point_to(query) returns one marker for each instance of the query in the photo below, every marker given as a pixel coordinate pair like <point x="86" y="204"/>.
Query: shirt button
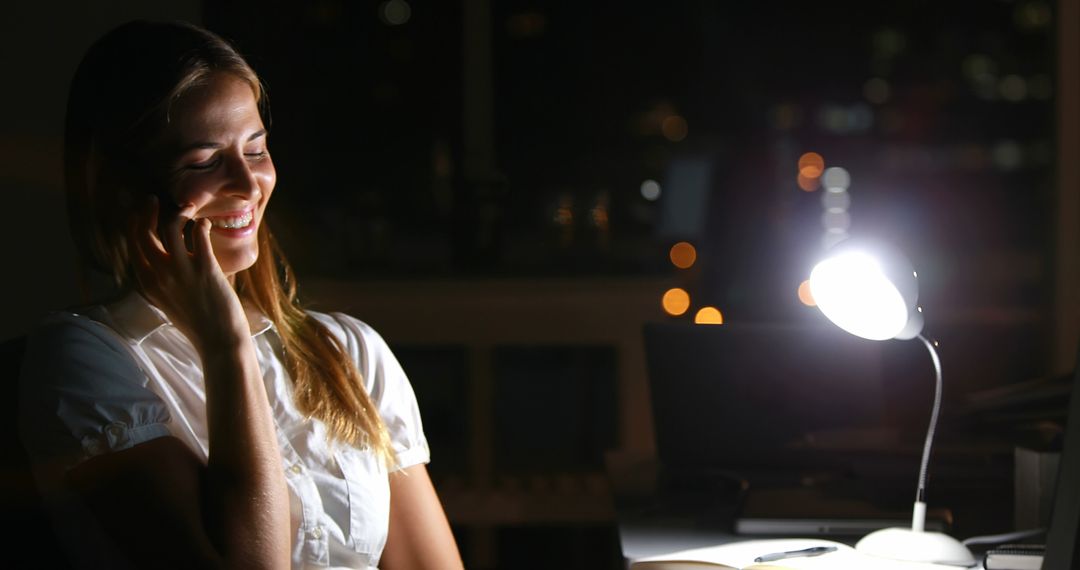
<point x="296" y="468"/>
<point x="316" y="532"/>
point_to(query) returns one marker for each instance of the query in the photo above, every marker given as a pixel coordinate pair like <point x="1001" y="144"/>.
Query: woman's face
<point x="218" y="160"/>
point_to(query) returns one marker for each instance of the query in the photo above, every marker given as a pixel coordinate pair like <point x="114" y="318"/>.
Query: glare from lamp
<point x="853" y="292"/>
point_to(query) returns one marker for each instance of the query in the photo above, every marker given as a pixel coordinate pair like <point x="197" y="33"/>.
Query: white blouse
<point x="122" y="374"/>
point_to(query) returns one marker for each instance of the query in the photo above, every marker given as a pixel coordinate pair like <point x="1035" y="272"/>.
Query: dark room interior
<point x="511" y="192"/>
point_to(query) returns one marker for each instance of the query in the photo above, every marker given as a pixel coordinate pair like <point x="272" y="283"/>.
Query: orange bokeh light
<point x="683" y="255"/>
<point x="804" y="294"/>
<point x="808" y="184"/>
<point x="811" y="162"/>
<point x="709" y="316"/>
<point x="676" y="301"/>
<point x="674" y="128"/>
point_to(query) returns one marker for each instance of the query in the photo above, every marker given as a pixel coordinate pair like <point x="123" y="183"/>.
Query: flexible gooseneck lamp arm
<point x="918" y="517"/>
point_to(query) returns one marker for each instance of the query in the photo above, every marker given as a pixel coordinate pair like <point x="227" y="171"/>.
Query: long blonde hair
<point x="118" y="104"/>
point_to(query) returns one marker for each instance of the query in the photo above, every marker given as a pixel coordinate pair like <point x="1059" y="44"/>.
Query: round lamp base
<point x="915" y="546"/>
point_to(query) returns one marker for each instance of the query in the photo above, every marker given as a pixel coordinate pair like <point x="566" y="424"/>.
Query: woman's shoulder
<point x="349" y="329"/>
<point x="69" y="345"/>
<point x="364" y="345"/>
<point x="75" y="329"/>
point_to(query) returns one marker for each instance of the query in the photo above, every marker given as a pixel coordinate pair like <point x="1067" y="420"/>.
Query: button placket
<point x="315" y="539"/>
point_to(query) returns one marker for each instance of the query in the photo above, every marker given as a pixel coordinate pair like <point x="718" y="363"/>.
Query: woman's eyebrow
<point x="216" y="145"/>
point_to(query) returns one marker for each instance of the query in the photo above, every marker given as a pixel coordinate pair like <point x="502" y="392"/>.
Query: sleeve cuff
<point x="118" y="436"/>
<point x="412" y="456"/>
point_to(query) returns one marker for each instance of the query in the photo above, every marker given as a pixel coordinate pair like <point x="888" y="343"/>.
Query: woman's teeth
<point x="233" y="223"/>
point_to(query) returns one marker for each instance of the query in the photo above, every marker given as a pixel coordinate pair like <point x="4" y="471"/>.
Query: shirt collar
<point x="137" y="318"/>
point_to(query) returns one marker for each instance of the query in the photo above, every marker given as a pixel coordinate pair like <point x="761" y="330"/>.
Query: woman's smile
<point x="222" y="165"/>
<point x="234" y="224"/>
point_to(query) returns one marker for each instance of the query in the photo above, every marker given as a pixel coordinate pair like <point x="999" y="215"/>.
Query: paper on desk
<point x="741" y="555"/>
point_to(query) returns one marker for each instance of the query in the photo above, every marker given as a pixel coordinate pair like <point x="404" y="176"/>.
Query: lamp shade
<point x="869" y="290"/>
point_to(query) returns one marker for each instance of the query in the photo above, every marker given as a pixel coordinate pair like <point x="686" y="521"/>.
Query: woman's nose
<point x="242" y="181"/>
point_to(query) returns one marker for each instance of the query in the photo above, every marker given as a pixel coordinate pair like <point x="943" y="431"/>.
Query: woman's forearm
<point x="246" y="500"/>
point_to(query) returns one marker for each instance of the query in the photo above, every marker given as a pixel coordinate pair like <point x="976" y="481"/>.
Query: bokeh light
<point x="888" y="43"/>
<point x="836" y="177"/>
<point x="674" y="128"/>
<point x="564" y="211"/>
<point x="1007" y="155"/>
<point x="877" y="91"/>
<point x="1013" y="88"/>
<point x="808" y="184"/>
<point x="526" y="25"/>
<point x="683" y="255"/>
<point x="676" y="301"/>
<point x="395" y="12"/>
<point x="1032" y="15"/>
<point x="978" y="66"/>
<point x="650" y="190"/>
<point x="811" y="165"/>
<point x="835" y="200"/>
<point x="786" y="116"/>
<point x="804" y="294"/>
<point x="709" y="316"/>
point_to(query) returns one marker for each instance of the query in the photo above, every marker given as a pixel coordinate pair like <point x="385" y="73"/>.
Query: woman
<point x="203" y="419"/>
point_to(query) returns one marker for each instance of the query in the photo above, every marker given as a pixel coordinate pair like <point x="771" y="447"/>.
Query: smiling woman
<point x="203" y="419"/>
<point x="223" y="168"/>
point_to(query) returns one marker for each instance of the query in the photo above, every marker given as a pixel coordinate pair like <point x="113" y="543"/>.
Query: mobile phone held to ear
<point x="167" y="210"/>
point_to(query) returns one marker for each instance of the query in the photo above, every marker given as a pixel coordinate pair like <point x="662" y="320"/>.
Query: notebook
<point x="777" y="554"/>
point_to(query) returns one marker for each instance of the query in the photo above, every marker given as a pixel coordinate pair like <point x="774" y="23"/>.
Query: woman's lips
<point x="236" y="224"/>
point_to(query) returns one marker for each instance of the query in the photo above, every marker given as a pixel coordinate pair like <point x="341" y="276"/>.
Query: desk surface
<point x="641" y="538"/>
<point x="648" y="528"/>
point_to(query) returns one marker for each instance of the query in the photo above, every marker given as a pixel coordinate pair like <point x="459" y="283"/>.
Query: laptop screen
<point x="744" y="398"/>
<point x="1061" y="538"/>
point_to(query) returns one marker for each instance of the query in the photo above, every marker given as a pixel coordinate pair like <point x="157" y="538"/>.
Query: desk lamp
<point x="870" y="291"/>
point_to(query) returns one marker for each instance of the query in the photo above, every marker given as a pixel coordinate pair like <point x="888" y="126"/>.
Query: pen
<point x="815" y="551"/>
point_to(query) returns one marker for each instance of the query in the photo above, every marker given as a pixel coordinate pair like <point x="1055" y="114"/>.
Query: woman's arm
<point x="165" y="509"/>
<point x="234" y="512"/>
<point x="419" y="536"/>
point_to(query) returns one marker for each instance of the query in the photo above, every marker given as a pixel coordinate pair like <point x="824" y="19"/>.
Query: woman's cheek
<point x="191" y="194"/>
<point x="267" y="176"/>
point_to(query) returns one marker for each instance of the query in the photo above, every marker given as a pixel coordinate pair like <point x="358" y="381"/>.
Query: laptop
<point x="790" y="411"/>
<point x="1064" y="531"/>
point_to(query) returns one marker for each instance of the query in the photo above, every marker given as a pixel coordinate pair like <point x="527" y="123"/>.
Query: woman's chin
<point x="233" y="262"/>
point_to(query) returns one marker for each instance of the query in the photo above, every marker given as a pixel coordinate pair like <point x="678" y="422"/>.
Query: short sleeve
<point x="387" y="385"/>
<point x="82" y="394"/>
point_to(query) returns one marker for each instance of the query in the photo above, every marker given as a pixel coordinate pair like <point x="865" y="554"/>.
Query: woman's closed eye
<point x="254" y="156"/>
<point x="205" y="165"/>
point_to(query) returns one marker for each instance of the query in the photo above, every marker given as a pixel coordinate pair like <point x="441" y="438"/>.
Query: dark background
<point x="489" y="146"/>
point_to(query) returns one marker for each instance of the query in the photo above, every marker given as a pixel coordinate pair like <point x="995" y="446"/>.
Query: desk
<point x="640" y="538"/>
<point x="647" y="528"/>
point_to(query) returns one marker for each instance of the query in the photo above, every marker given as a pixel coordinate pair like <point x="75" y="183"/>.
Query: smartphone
<point x="167" y="210"/>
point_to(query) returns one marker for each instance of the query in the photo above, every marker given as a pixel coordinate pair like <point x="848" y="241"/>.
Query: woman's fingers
<point x="202" y="249"/>
<point x="174" y="232"/>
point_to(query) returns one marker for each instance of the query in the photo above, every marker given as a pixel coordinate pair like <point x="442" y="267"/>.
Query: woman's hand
<point x="189" y="286"/>
<point x="241" y="498"/>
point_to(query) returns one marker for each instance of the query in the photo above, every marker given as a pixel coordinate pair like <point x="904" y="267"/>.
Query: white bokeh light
<point x="836" y="177"/>
<point x="650" y="190"/>
<point x="835" y="200"/>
